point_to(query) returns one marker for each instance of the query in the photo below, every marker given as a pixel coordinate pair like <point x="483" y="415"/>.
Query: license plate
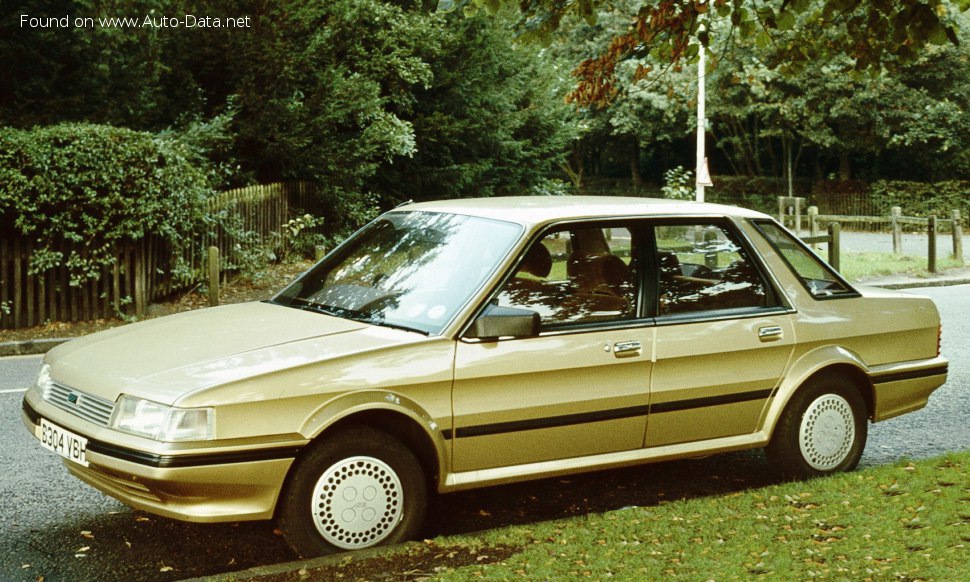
<point x="63" y="442"/>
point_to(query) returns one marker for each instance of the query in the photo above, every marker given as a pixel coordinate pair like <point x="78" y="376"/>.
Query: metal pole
<point x="701" y="73"/>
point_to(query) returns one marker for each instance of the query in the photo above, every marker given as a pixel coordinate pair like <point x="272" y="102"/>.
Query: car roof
<point x="532" y="210"/>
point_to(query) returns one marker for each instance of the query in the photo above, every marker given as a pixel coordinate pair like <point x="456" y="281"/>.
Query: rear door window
<point x="703" y="267"/>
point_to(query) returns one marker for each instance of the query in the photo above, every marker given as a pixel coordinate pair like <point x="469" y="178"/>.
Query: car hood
<point x="167" y="358"/>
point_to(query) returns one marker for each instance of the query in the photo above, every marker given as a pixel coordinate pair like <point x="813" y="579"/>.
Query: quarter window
<point x="820" y="280"/>
<point x="576" y="275"/>
<point x="703" y="267"/>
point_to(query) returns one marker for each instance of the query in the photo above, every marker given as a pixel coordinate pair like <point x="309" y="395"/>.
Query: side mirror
<point x="498" y="322"/>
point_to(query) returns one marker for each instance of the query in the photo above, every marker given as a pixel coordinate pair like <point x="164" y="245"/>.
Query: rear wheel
<point x="356" y="489"/>
<point x="822" y="430"/>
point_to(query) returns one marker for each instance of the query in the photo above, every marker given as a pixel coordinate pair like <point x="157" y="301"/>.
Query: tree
<point x="490" y="121"/>
<point x="838" y="112"/>
<point x="646" y="117"/>
<point x="869" y="33"/>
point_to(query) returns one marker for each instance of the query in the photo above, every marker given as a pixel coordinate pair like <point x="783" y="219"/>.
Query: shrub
<point x="97" y="187"/>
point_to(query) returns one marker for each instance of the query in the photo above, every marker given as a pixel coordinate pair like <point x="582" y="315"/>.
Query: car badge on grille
<point x="73" y="398"/>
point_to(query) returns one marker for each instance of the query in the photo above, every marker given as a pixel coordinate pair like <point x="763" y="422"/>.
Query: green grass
<point x="862" y="266"/>
<point x="909" y="521"/>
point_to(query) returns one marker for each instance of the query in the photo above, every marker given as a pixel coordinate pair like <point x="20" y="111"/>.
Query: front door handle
<point x="626" y="349"/>
<point x="770" y="333"/>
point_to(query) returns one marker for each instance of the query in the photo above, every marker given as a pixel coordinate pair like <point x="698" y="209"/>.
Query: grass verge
<point x="908" y="521"/>
<point x="860" y="266"/>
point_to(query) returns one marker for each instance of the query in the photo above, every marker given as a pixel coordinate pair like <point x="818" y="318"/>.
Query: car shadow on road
<point x="563" y="497"/>
<point x="131" y="545"/>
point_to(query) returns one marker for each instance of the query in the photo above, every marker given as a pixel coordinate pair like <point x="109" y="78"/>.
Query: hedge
<point x="96" y="186"/>
<point x="922" y="198"/>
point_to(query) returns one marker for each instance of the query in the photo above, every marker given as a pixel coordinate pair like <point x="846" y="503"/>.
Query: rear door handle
<point x="626" y="349"/>
<point x="770" y="333"/>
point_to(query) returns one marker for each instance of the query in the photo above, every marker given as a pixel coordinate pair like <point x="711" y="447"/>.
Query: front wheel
<point x="822" y="430"/>
<point x="356" y="489"/>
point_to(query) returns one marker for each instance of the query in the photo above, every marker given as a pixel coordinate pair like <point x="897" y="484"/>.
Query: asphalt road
<point x="52" y="525"/>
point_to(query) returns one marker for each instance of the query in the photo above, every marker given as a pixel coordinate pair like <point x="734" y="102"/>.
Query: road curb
<point x="303" y="569"/>
<point x="30" y="347"/>
<point x="920" y="283"/>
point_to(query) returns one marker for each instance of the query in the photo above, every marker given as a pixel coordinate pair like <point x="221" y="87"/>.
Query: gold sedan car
<point x="459" y="344"/>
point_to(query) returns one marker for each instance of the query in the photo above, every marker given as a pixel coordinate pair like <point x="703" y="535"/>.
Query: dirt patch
<point x="419" y="562"/>
<point x="251" y="287"/>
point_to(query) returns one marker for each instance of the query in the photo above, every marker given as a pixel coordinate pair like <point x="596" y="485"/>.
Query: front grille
<point x="86" y="406"/>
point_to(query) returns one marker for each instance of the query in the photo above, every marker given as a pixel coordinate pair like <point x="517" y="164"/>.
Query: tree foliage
<point x="870" y="33"/>
<point x="348" y="93"/>
<point x="491" y="122"/>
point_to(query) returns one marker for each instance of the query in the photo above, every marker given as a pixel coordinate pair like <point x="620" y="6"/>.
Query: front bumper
<point x="227" y="483"/>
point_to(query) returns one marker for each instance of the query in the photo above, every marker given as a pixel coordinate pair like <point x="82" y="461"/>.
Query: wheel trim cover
<point x="357" y="503"/>
<point x="827" y="432"/>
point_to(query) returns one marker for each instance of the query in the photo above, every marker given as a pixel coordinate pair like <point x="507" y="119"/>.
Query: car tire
<point x="822" y="430"/>
<point x="355" y="489"/>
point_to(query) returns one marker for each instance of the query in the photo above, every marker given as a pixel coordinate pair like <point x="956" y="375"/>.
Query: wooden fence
<point x="143" y="271"/>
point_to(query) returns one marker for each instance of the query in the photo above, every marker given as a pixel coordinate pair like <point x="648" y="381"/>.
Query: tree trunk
<point x="635" y="175"/>
<point x="845" y="170"/>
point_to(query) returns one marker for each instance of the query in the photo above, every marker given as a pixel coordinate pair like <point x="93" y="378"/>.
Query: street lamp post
<point x="703" y="176"/>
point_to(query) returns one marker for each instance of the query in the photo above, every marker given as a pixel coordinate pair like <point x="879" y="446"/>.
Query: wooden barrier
<point x="145" y="270"/>
<point x="833" y="240"/>
<point x="896" y="221"/>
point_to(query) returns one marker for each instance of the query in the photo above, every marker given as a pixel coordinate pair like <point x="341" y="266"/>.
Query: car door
<point x="578" y="388"/>
<point x="724" y="336"/>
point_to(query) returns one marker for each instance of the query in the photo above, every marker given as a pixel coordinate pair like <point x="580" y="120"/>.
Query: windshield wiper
<point x="305" y="305"/>
<point x="344" y="313"/>
<point x="395" y="326"/>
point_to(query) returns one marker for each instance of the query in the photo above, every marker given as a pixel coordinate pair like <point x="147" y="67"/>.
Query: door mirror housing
<point x="498" y="322"/>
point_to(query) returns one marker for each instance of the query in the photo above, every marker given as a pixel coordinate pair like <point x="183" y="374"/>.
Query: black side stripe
<point x="709" y="401"/>
<point x="179" y="461"/>
<point x="601" y="415"/>
<point x="911" y="375"/>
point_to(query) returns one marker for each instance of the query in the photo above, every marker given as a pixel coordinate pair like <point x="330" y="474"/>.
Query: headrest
<point x="537" y="261"/>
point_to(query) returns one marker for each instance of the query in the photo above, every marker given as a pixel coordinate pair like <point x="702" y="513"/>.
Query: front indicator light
<point x="162" y="422"/>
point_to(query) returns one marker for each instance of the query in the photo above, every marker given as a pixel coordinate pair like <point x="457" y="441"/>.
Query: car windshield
<point x="409" y="270"/>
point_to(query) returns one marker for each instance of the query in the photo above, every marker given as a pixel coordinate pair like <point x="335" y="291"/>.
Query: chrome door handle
<point x="626" y="349"/>
<point x="770" y="333"/>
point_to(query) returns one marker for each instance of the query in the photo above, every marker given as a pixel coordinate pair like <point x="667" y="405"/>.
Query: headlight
<point x="161" y="422"/>
<point x="42" y="385"/>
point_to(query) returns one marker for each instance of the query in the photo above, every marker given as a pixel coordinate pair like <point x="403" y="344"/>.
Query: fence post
<point x="957" y="236"/>
<point x="931" y="231"/>
<point x="834" y="242"/>
<point x="213" y="276"/>
<point x="897" y="229"/>
<point x="813" y="220"/>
